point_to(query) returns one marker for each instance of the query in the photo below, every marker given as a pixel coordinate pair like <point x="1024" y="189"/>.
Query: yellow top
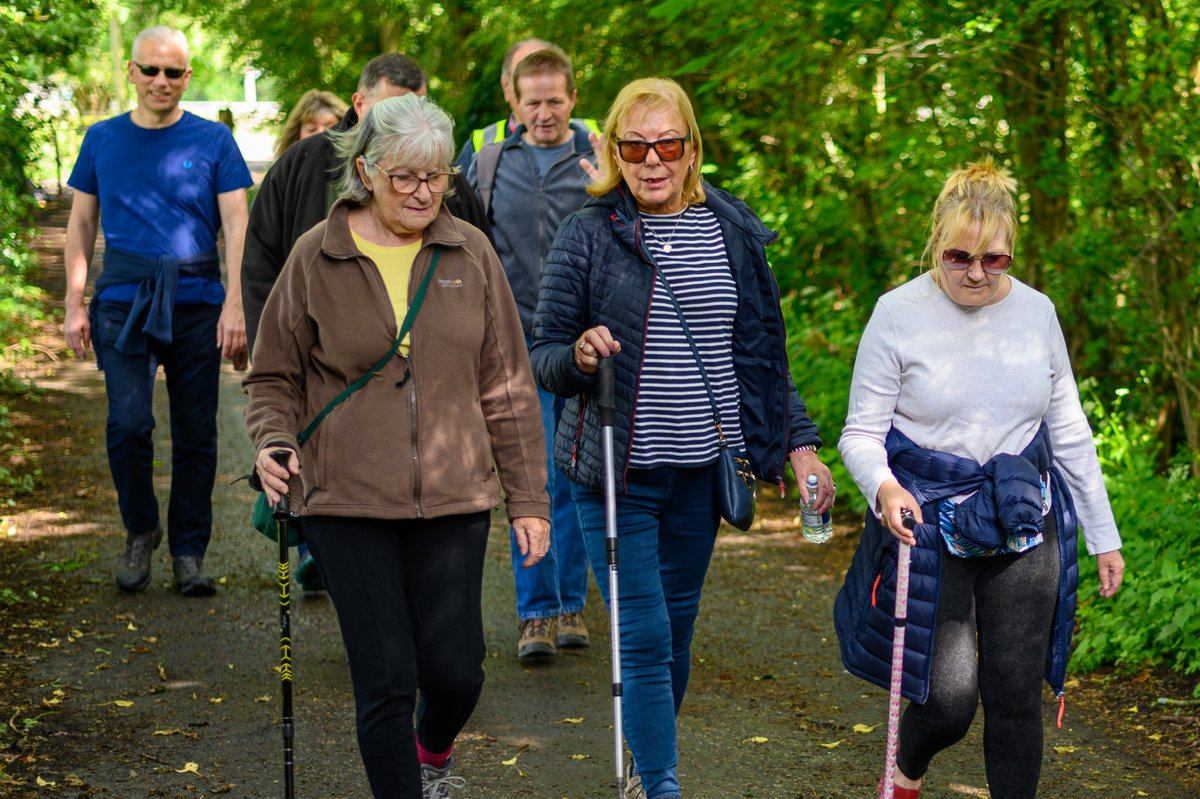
<point x="395" y="267"/>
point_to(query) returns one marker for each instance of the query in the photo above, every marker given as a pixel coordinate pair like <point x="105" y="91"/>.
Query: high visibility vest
<point x="498" y="132"/>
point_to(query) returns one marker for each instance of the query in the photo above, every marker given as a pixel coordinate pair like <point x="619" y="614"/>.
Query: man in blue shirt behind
<point x="167" y="181"/>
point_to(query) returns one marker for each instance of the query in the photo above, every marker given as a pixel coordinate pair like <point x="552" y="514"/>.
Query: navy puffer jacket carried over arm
<point x="599" y="273"/>
<point x="1005" y="501"/>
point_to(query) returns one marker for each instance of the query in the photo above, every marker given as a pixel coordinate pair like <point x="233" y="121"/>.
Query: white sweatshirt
<point x="972" y="382"/>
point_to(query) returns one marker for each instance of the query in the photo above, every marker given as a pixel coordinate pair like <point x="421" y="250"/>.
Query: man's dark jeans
<point x="192" y="364"/>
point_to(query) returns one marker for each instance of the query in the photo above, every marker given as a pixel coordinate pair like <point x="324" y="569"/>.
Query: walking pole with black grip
<point x="608" y="411"/>
<point x="900" y="614"/>
<point x="282" y="516"/>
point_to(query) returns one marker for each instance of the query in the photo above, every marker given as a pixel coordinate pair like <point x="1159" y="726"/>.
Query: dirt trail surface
<point x="105" y="694"/>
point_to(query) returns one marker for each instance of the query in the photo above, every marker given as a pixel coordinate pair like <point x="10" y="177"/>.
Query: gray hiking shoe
<point x="190" y="579"/>
<point x="633" y="782"/>
<point x="436" y="783"/>
<point x="133" y="567"/>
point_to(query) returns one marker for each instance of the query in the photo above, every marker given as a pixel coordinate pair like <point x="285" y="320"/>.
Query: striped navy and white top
<point x="673" y="420"/>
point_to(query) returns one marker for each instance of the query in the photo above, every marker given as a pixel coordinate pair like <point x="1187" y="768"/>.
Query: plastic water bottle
<point x="816" y="527"/>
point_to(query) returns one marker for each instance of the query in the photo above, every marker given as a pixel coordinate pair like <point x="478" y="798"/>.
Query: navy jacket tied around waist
<point x="1007" y="498"/>
<point x="152" y="312"/>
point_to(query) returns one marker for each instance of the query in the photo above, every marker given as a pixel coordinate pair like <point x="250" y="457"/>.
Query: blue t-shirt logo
<point x="187" y="164"/>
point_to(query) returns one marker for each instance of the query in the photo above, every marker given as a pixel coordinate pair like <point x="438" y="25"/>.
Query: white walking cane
<point x="608" y="411"/>
<point x="901" y="619"/>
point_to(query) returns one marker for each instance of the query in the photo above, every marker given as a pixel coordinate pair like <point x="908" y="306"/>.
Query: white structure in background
<point x="250" y="88"/>
<point x="254" y="127"/>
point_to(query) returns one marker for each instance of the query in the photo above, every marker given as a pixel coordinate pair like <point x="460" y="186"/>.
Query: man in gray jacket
<point x="529" y="183"/>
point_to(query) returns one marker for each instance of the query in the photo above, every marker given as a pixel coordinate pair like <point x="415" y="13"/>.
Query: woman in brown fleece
<point x="399" y="479"/>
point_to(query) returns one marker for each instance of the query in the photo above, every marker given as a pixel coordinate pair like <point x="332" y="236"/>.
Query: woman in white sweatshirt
<point x="964" y="410"/>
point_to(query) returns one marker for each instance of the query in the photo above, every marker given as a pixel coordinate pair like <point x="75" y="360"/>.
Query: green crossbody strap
<point x="409" y="317"/>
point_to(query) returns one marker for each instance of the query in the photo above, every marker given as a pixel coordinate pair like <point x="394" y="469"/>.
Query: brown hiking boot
<point x="572" y="632"/>
<point x="537" y="639"/>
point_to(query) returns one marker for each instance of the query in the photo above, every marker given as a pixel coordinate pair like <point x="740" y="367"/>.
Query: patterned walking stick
<point x="901" y="619"/>
<point x="284" y="574"/>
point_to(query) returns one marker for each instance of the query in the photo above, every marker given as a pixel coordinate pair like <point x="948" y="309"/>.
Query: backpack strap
<point x="487" y="161"/>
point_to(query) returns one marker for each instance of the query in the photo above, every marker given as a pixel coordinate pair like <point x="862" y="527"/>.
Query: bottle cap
<point x="812" y="481"/>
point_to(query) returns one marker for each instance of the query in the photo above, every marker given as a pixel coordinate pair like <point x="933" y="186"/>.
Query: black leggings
<point x="1004" y="605"/>
<point x="407" y="595"/>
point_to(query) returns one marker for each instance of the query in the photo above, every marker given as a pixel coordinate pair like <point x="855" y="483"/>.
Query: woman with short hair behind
<point x="964" y="412"/>
<point x="400" y="478"/>
<point x="652" y="228"/>
<point x="315" y="112"/>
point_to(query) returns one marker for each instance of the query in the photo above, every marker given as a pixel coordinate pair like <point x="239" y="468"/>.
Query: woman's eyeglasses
<point x="402" y="183"/>
<point x="151" y="71"/>
<point x="634" y="151"/>
<point x="994" y="263"/>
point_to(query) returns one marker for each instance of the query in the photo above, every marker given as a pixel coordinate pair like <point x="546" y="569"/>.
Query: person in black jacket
<point x="297" y="192"/>
<point x="652" y="223"/>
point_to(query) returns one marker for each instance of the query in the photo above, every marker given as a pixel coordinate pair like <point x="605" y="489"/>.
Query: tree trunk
<point x="1037" y="91"/>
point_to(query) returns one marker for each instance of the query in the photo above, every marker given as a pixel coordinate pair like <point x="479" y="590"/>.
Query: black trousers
<point x="407" y="594"/>
<point x="993" y="626"/>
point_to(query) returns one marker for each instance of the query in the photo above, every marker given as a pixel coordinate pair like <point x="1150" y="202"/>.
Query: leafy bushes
<point x="35" y="37"/>
<point x="1155" y="618"/>
<point x="823" y="332"/>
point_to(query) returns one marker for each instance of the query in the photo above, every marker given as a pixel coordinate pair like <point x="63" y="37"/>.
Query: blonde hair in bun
<point x="979" y="195"/>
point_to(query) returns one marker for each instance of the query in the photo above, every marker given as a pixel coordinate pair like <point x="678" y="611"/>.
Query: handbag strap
<point x="695" y="351"/>
<point x="374" y="371"/>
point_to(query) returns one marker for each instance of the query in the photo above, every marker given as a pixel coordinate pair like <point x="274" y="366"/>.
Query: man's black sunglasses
<point x="151" y="71"/>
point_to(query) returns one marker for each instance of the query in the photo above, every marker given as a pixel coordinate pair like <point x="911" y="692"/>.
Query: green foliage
<point x="823" y="332"/>
<point x="35" y="36"/>
<point x="1155" y="617"/>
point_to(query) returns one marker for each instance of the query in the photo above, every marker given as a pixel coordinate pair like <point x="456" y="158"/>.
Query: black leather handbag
<point x="733" y="478"/>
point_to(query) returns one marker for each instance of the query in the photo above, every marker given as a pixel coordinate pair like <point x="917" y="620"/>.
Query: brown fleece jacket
<point x="427" y="436"/>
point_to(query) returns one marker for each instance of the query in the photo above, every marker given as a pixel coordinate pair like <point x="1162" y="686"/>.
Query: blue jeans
<point x="558" y="583"/>
<point x="192" y="364"/>
<point x="666" y="525"/>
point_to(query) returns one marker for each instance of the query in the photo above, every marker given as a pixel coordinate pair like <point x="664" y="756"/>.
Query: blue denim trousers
<point x="558" y="583"/>
<point x="666" y="527"/>
<point x="192" y="365"/>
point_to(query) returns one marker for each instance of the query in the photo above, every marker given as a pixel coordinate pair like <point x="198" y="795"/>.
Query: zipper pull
<point x="1062" y="708"/>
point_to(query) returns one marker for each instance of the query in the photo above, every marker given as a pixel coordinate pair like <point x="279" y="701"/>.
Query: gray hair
<point x="161" y="33"/>
<point x="506" y="66"/>
<point x="409" y="129"/>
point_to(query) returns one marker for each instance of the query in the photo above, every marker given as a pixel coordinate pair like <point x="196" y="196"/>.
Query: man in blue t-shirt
<point x="167" y="182"/>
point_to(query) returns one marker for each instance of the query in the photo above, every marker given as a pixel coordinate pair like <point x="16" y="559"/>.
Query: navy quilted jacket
<point x="598" y="273"/>
<point x="863" y="610"/>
